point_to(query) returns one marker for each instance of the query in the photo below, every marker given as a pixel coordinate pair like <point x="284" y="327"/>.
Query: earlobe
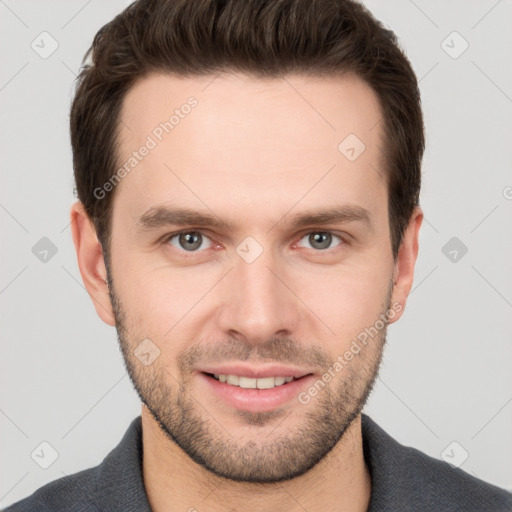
<point x="91" y="262"/>
<point x="403" y="273"/>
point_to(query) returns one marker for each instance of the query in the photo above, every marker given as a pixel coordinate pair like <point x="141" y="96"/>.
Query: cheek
<point x="347" y="299"/>
<point x="158" y="298"/>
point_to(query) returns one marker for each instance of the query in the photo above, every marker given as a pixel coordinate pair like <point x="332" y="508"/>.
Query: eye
<point x="190" y="241"/>
<point x="321" y="240"/>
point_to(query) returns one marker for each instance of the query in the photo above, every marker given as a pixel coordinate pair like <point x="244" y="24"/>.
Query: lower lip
<point x="256" y="400"/>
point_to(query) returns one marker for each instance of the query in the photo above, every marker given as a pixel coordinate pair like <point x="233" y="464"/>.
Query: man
<point x="249" y="175"/>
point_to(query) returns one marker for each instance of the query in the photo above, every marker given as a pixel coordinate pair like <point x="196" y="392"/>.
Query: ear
<point x="403" y="273"/>
<point x="91" y="263"/>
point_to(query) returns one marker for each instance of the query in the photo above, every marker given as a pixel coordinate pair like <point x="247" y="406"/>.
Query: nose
<point x="257" y="301"/>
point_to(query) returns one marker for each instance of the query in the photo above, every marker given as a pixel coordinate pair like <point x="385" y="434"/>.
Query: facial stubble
<point x="284" y="452"/>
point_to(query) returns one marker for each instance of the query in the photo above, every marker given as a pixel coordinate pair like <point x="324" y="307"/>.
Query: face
<point x="247" y="242"/>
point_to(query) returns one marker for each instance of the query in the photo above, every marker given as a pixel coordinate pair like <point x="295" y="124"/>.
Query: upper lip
<point x="245" y="370"/>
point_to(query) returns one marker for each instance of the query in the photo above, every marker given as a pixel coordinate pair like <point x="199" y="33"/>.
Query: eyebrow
<point x="157" y="217"/>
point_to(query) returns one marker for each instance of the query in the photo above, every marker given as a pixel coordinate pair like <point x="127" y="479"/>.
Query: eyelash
<point x="191" y="254"/>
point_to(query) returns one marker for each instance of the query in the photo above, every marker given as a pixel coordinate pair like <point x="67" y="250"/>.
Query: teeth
<point x="233" y="379"/>
<point x="247" y="382"/>
<point x="253" y="383"/>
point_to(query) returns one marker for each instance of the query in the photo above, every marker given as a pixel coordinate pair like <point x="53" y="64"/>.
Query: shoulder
<point x="440" y="483"/>
<point x="405" y="478"/>
<point x="114" y="485"/>
<point x="70" y="493"/>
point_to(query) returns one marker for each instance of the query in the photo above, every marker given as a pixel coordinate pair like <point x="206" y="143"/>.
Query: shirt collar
<point x="120" y="481"/>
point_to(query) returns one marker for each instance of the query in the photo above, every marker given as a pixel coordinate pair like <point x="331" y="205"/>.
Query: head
<point x="248" y="176"/>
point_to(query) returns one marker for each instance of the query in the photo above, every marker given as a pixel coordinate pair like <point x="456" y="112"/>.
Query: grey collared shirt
<point x="403" y="479"/>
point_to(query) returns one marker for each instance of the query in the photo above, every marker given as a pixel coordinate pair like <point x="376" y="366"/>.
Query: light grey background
<point x="447" y="368"/>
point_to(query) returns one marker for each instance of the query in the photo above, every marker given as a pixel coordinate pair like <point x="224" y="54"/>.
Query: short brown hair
<point x="267" y="38"/>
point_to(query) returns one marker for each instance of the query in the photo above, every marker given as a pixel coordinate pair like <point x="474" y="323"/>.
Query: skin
<point x="254" y="153"/>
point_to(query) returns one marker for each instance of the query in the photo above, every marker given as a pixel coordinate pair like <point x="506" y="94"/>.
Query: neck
<point x="173" y="481"/>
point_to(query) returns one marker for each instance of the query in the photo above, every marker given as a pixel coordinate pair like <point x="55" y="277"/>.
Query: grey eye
<point x="189" y="241"/>
<point x="320" y="240"/>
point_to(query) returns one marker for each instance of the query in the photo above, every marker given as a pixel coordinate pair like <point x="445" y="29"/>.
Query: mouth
<point x="253" y="382"/>
<point x="253" y="394"/>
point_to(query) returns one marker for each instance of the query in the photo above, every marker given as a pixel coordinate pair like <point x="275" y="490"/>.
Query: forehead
<point x="263" y="141"/>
